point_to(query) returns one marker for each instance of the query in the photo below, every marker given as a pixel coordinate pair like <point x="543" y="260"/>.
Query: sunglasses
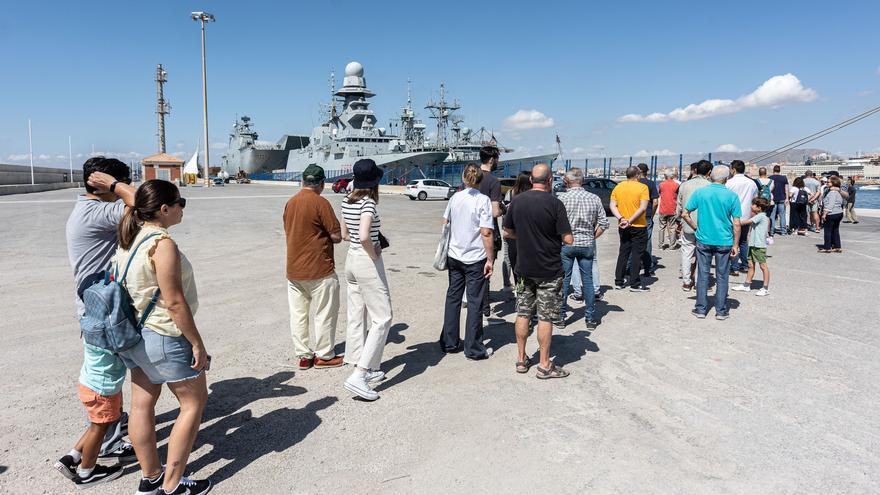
<point x="179" y="201"/>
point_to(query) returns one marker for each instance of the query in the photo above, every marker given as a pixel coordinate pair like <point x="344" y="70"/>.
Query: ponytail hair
<point x="472" y="175"/>
<point x="148" y="201"/>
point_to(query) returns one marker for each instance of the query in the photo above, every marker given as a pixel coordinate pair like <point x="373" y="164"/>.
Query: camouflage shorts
<point x="543" y="296"/>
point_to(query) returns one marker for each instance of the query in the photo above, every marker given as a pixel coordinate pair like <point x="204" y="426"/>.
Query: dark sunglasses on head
<point x="179" y="201"/>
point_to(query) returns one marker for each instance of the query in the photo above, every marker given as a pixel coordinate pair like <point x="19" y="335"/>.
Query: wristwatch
<point x="113" y="186"/>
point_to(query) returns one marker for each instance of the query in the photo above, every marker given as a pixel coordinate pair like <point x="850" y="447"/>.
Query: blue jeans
<point x="705" y="254"/>
<point x="584" y="258"/>
<point x="777" y="212"/>
<point x="741" y="262"/>
<point x="577" y="284"/>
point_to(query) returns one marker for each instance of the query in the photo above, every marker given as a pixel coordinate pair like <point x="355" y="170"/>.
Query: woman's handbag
<point x="442" y="249"/>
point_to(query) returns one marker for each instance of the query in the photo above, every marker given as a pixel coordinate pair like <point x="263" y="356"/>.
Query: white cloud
<point x="578" y="150"/>
<point x="61" y="157"/>
<point x="598" y="147"/>
<point x="180" y="145"/>
<point x="17" y="157"/>
<point x="866" y="92"/>
<point x="179" y="154"/>
<point x="727" y="148"/>
<point x="644" y="153"/>
<point x="79" y="155"/>
<point x="527" y="119"/>
<point x="43" y="157"/>
<point x="773" y="93"/>
<point x="218" y="146"/>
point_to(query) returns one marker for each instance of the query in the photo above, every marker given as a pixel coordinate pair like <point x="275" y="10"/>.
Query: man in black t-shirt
<point x="647" y="254"/>
<point x="780" y="201"/>
<point x="537" y="221"/>
<point x="492" y="188"/>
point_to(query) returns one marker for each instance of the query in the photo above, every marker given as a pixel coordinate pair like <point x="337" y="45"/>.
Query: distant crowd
<point x="116" y="234"/>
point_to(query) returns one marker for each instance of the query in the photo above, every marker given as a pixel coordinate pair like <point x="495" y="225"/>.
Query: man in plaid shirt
<point x="587" y="218"/>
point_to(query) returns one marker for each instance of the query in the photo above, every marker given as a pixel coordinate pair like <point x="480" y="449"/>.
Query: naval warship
<point x="246" y="153"/>
<point x="352" y="134"/>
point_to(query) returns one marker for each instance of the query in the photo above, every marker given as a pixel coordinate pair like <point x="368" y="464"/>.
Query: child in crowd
<point x="760" y="224"/>
<point x="100" y="390"/>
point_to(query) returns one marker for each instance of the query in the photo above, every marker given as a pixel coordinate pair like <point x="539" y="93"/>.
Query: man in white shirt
<point x="813" y="186"/>
<point x="469" y="261"/>
<point x="746" y="189"/>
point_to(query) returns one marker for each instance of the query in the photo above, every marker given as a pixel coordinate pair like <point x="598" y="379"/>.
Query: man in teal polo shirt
<point x="717" y="237"/>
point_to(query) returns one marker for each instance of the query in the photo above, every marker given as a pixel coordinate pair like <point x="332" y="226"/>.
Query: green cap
<point x="313" y="173"/>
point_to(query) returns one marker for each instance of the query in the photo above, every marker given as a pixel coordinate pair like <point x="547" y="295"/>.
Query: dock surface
<point x="780" y="399"/>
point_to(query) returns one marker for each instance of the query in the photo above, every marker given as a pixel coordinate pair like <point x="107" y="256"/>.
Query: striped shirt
<point x="585" y="213"/>
<point x="351" y="215"/>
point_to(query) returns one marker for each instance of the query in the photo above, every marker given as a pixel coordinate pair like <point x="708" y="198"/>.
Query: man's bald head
<point x="541" y="173"/>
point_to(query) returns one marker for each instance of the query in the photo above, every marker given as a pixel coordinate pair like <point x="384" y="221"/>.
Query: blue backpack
<point x="110" y="320"/>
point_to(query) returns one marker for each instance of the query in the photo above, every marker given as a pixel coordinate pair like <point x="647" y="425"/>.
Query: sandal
<point x="523" y="366"/>
<point x="553" y="372"/>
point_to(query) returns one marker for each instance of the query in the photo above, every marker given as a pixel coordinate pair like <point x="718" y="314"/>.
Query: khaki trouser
<point x="668" y="231"/>
<point x="322" y="296"/>
<point x="369" y="303"/>
<point x="850" y="213"/>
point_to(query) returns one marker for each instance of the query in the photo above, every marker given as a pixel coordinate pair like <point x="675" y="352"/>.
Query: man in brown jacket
<point x="311" y="229"/>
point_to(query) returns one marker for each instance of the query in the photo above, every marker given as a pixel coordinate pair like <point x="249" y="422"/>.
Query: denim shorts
<point x="163" y="359"/>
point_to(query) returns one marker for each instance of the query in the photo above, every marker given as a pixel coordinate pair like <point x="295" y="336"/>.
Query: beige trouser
<point x="850" y="213"/>
<point x="369" y="303"/>
<point x="322" y="296"/>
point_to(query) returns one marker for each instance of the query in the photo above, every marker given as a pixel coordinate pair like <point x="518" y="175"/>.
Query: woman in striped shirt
<point x="368" y="295"/>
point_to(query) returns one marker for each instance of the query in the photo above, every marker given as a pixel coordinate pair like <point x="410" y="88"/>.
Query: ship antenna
<point x="332" y="93"/>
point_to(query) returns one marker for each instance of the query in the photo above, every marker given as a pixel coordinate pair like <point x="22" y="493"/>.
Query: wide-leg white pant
<point x="369" y="309"/>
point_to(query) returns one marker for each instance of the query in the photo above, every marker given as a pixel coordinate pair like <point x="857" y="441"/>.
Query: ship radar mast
<point x="442" y="111"/>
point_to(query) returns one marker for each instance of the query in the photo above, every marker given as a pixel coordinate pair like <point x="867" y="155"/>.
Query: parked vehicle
<point x="596" y="185"/>
<point x="507" y="184"/>
<point x="423" y="189"/>
<point x="218" y="181"/>
<point x="341" y="185"/>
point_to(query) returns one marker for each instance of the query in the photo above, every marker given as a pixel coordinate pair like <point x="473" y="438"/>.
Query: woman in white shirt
<point x="798" y="219"/>
<point x="469" y="263"/>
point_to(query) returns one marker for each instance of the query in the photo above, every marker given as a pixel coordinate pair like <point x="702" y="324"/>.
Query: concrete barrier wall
<point x="21" y="174"/>
<point x="6" y="190"/>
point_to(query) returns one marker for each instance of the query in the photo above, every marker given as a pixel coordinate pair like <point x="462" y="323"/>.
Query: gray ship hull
<point x="399" y="163"/>
<point x="253" y="160"/>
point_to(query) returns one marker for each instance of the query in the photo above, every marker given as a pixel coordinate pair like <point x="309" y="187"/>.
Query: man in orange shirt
<point x="311" y="229"/>
<point x="629" y="202"/>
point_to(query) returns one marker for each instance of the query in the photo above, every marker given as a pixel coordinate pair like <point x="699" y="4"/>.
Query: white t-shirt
<point x="745" y="188"/>
<point x="468" y="211"/>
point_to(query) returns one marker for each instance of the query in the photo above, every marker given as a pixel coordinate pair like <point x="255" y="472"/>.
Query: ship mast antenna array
<point x="163" y="108"/>
<point x="442" y="111"/>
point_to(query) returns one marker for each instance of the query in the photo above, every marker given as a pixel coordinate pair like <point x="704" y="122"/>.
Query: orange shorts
<point x="101" y="409"/>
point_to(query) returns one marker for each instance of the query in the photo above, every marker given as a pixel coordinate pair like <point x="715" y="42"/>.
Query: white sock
<point x="77" y="455"/>
<point x="84" y="473"/>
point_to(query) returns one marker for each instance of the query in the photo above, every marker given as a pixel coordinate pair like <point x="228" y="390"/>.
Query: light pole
<point x="31" y="151"/>
<point x="204" y="17"/>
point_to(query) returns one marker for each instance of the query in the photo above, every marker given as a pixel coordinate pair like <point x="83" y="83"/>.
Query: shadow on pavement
<point x="227" y="396"/>
<point x="571" y="348"/>
<point x="242" y="439"/>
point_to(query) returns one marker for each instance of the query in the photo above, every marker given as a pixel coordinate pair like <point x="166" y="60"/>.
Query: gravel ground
<point x="778" y="399"/>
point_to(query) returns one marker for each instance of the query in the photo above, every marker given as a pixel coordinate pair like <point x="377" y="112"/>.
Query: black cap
<point x="313" y="173"/>
<point x="366" y="174"/>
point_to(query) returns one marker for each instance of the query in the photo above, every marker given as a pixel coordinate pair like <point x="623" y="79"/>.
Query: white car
<point x="423" y="189"/>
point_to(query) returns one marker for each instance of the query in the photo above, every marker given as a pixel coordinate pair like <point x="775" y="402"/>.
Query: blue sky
<point x="526" y="70"/>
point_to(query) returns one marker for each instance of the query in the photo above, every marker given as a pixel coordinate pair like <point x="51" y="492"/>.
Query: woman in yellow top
<point x="171" y="351"/>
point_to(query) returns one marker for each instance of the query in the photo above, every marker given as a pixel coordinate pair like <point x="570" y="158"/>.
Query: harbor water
<point x="868" y="199"/>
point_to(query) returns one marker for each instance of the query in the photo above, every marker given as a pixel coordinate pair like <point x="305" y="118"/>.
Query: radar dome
<point x="466" y="130"/>
<point x="354" y="69"/>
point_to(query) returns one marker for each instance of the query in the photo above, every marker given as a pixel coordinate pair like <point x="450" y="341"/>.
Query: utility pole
<point x="204" y="17"/>
<point x="163" y="108"/>
<point x="31" y="151"/>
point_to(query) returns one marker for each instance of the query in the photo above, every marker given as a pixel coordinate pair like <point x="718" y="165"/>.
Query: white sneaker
<point x="741" y="288"/>
<point x="769" y="241"/>
<point x="763" y="292"/>
<point x="374" y="376"/>
<point x="357" y="384"/>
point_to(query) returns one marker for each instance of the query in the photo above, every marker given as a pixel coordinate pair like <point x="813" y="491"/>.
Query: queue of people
<point x="719" y="217"/>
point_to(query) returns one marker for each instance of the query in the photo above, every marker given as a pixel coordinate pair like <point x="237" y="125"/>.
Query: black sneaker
<point x="191" y="487"/>
<point x="575" y="297"/>
<point x="151" y="487"/>
<point x="122" y="455"/>
<point x="67" y="467"/>
<point x="560" y="323"/>
<point x="639" y="288"/>
<point x="99" y="475"/>
<point x="599" y="296"/>
<point x="592" y="324"/>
